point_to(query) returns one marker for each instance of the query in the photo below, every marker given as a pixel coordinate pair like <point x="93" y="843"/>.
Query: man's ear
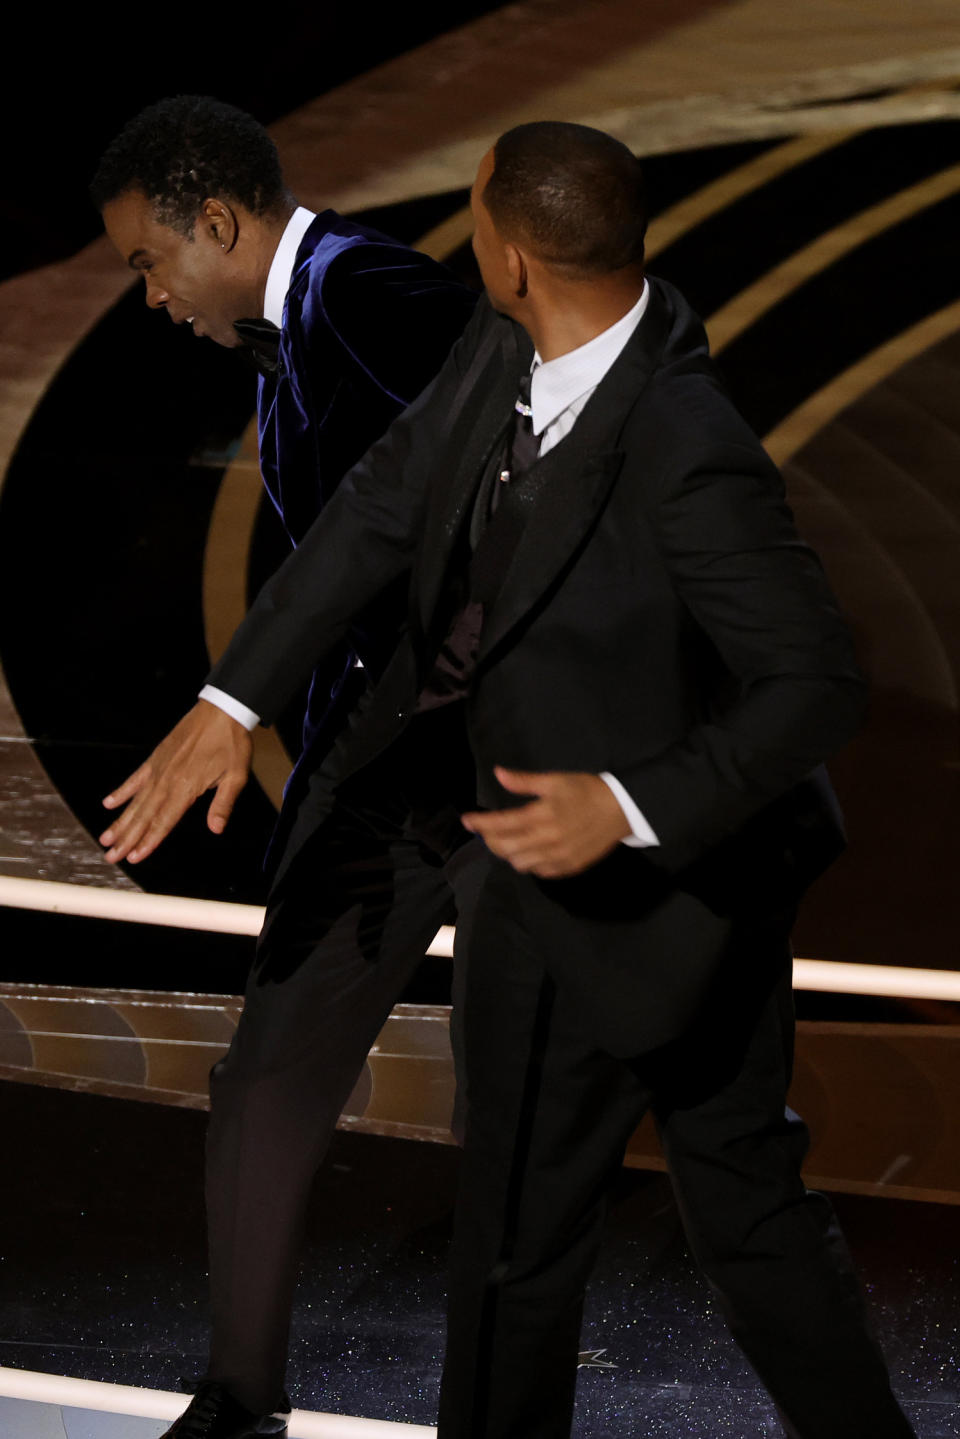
<point x="218" y="223"/>
<point x="517" y="270"/>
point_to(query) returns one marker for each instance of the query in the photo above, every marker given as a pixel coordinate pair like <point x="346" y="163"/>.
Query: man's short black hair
<point x="185" y="149"/>
<point x="574" y="194"/>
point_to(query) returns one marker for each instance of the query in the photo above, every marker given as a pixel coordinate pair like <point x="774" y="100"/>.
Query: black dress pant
<point x="549" y="1118"/>
<point x="346" y="926"/>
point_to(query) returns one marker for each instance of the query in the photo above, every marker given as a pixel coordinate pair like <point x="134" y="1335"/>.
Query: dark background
<point x="73" y="77"/>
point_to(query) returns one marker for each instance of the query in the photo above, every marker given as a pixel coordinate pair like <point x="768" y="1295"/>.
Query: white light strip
<point x="160" y="1404"/>
<point x="133" y="905"/>
<point x="880" y="980"/>
<point x="215" y="916"/>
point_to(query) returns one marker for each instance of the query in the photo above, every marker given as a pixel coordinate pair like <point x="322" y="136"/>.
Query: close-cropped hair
<point x="187" y="149"/>
<point x="573" y="194"/>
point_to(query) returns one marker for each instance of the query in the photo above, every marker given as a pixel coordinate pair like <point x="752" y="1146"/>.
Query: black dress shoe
<point x="215" y="1414"/>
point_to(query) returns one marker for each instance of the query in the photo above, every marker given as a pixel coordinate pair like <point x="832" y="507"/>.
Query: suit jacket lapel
<point x="477" y="421"/>
<point x="559" y="520"/>
<point x="584" y="467"/>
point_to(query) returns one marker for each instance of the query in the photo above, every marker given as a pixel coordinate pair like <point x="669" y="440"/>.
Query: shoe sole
<point x="256" y="1433"/>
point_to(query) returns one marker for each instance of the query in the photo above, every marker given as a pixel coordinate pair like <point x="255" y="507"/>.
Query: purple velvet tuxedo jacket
<point x="367" y="323"/>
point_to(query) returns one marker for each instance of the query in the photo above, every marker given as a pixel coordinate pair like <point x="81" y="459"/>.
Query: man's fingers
<point x="131" y="786"/>
<point x="546" y="860"/>
<point x="504" y="823"/>
<point x="221" y="806"/>
<point x="147" y="821"/>
<point x="141" y="830"/>
<point x="521" y="781"/>
<point x="120" y="846"/>
<point x="124" y="832"/>
<point x="527" y="838"/>
<point x="574" y="822"/>
<point x="154" y="834"/>
<point x="206" y="750"/>
<point x="124" y="842"/>
<point x="157" y="805"/>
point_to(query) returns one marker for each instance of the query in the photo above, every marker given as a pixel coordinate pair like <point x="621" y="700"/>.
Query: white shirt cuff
<point x="641" y="836"/>
<point x="230" y="706"/>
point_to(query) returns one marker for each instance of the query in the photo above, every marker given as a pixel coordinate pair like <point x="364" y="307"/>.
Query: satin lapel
<point x="478" y="418"/>
<point x="583" y="468"/>
<point x="558" y="522"/>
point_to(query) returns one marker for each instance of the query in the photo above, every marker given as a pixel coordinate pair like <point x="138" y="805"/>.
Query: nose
<point x="157" y="296"/>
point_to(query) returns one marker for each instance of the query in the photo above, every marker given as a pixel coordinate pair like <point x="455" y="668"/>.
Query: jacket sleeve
<point x="727" y="539"/>
<point x="396" y="314"/>
<point x="364" y="539"/>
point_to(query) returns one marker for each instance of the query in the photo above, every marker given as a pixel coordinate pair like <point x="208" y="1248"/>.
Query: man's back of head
<point x="559" y="225"/>
<point x="573" y="194"/>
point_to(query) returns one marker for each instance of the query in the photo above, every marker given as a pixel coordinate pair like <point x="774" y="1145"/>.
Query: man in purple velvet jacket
<point x="347" y="327"/>
<point x="355" y="325"/>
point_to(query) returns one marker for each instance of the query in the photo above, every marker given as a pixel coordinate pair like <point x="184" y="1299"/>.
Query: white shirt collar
<point x="281" y="266"/>
<point x="557" y="384"/>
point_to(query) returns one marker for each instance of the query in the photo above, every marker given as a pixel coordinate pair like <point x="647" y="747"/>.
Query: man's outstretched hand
<point x="206" y="750"/>
<point x="571" y="823"/>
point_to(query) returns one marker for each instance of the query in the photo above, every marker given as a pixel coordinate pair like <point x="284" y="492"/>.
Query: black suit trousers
<point x="347" y="924"/>
<point x="549" y="1117"/>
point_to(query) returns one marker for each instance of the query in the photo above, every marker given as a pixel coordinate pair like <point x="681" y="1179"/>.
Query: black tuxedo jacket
<point x="660" y="620"/>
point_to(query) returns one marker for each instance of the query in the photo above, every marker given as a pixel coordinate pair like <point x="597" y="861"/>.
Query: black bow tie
<point x="262" y="339"/>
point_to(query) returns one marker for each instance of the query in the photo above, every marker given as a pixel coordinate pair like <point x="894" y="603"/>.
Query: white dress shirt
<point x="281" y="266"/>
<point x="559" y="390"/>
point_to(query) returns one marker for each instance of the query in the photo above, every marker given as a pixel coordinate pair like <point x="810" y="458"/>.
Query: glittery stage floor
<point x="102" y="1268"/>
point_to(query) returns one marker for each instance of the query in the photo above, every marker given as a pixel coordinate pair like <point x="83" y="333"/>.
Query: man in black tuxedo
<point x="607" y="583"/>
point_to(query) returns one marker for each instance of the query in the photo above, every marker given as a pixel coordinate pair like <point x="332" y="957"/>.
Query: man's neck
<point x="569" y="317"/>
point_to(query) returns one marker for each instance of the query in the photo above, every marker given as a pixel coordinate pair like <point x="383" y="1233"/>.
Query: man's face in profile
<point x="192" y="278"/>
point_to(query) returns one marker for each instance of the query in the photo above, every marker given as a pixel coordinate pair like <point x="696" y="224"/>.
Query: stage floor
<point x="21" y="1419"/>
<point x="103" y="1278"/>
